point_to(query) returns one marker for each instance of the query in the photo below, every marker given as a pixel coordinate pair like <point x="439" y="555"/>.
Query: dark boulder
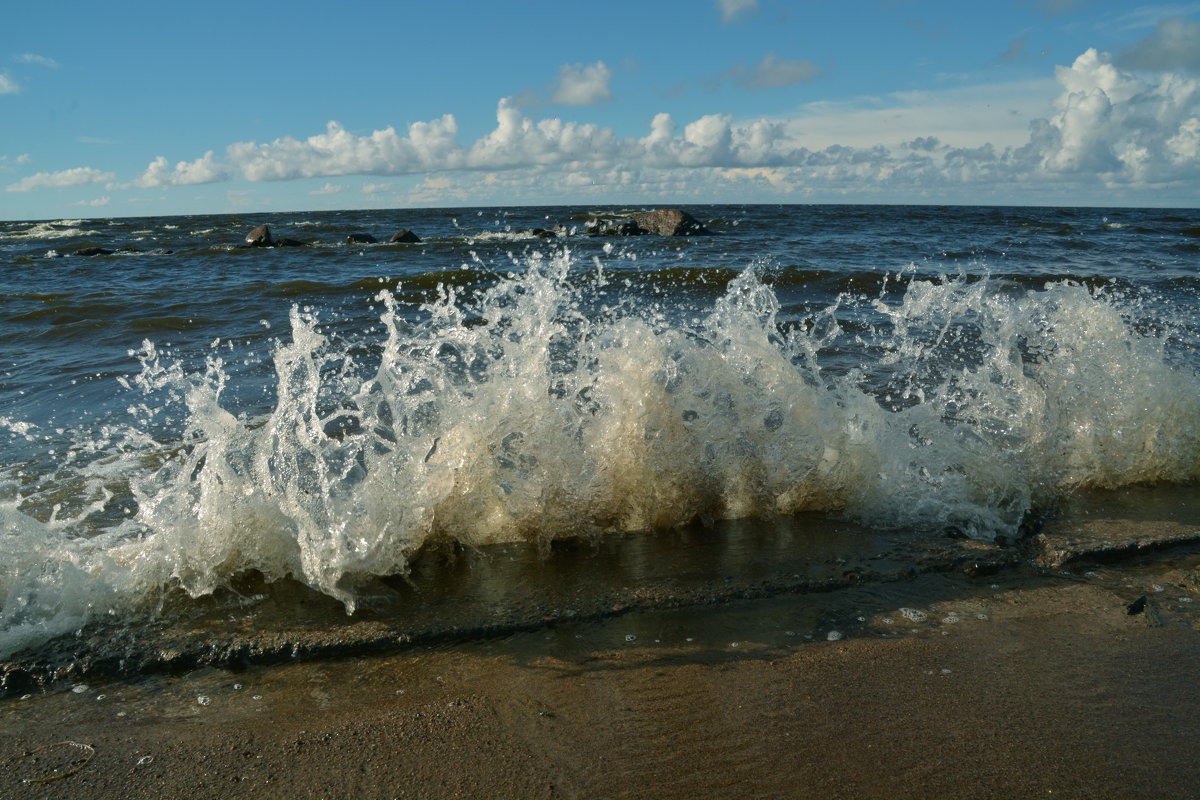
<point x="612" y="227"/>
<point x="405" y="237"/>
<point x="93" y="251"/>
<point x="669" y="222"/>
<point x="547" y="233"/>
<point x="260" y="237"/>
<point x="361" y="238"/>
<point x="289" y="243"/>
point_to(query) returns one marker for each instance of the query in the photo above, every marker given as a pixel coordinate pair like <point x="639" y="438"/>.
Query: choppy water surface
<point x="184" y="410"/>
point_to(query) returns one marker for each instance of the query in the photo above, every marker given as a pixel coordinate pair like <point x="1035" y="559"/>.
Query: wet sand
<point x="1047" y="688"/>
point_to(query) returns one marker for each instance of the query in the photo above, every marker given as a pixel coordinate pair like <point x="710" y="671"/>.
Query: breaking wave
<point x="536" y="410"/>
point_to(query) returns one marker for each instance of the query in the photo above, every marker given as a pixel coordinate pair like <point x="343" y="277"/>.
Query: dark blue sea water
<point x="186" y="409"/>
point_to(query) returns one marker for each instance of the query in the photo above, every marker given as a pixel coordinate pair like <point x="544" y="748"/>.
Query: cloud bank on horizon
<point x="1120" y="128"/>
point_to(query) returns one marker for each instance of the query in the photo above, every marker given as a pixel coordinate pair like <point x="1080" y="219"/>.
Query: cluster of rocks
<point x="261" y="237"/>
<point x="403" y="236"/>
<point x="662" y="222"/>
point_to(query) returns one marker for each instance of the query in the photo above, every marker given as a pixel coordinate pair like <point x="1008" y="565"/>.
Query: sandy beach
<point x="1030" y="688"/>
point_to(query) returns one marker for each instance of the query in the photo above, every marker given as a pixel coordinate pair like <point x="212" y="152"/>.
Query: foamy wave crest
<point x="522" y="415"/>
<point x="59" y="229"/>
<point x="500" y="236"/>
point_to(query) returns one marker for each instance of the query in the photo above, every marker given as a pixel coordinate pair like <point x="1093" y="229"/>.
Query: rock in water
<point x="405" y="237"/>
<point x="259" y="237"/>
<point x="361" y="238"/>
<point x="604" y="227"/>
<point x="669" y="222"/>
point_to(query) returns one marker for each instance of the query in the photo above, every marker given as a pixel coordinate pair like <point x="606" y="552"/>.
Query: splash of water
<point x="524" y="414"/>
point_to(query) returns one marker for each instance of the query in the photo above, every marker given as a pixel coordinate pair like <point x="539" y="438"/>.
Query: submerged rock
<point x="669" y="222"/>
<point x="404" y="236"/>
<point x="289" y="243"/>
<point x="361" y="238"/>
<point x="106" y="251"/>
<point x="260" y="237"/>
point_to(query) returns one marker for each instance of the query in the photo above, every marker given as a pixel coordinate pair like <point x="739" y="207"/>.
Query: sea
<point x="179" y="410"/>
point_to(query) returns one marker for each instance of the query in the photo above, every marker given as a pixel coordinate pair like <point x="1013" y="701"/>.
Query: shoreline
<point x="471" y="595"/>
<point x="462" y="596"/>
<point x="1021" y="690"/>
<point x="766" y="659"/>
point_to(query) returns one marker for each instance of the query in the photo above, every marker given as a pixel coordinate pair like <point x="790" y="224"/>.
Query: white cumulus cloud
<point x="79" y="176"/>
<point x="582" y="85"/>
<point x="428" y="146"/>
<point x="160" y="174"/>
<point x="1124" y="127"/>
<point x="518" y="141"/>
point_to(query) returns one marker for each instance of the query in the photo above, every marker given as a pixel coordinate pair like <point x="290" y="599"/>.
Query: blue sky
<point x="132" y="108"/>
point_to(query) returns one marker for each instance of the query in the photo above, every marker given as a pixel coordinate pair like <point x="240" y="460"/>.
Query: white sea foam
<point x="544" y="422"/>
<point x="501" y="236"/>
<point x="18" y="427"/>
<point x="59" y="229"/>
